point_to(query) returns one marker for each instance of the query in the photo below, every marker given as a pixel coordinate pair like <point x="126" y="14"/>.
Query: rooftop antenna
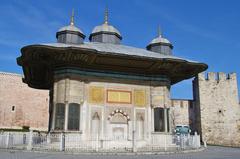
<point x="106" y="16"/>
<point x="72" y="18"/>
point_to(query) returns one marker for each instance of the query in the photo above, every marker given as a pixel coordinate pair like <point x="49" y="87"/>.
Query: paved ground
<point x="210" y="153"/>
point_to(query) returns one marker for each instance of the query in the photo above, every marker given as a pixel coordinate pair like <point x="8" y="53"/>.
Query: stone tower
<point x="217" y="108"/>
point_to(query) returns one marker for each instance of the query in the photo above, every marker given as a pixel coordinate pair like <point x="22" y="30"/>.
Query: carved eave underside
<point x="40" y="61"/>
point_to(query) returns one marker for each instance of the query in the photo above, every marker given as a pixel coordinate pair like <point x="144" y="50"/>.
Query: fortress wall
<point x="31" y="105"/>
<point x="217" y="107"/>
<point x="183" y="113"/>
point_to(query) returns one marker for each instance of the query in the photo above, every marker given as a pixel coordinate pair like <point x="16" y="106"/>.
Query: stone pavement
<point x="212" y="152"/>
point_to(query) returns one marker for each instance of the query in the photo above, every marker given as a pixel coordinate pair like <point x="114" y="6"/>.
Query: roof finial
<point x="106" y="15"/>
<point x="72" y="18"/>
<point x="159" y="32"/>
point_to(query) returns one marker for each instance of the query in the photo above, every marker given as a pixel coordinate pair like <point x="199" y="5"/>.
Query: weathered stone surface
<point x="180" y="112"/>
<point x="218" y="115"/>
<point x="160" y="96"/>
<point x="183" y="112"/>
<point x="31" y="105"/>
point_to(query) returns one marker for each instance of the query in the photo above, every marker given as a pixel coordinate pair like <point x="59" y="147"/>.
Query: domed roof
<point x="160" y="40"/>
<point x="71" y="28"/>
<point x="105" y="28"/>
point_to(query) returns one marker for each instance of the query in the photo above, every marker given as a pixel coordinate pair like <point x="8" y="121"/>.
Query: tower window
<point x="13" y="108"/>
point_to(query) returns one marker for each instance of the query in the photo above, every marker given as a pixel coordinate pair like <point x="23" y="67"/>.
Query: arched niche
<point x="118" y="125"/>
<point x="95" y="125"/>
<point x="118" y="116"/>
<point x="140" y="126"/>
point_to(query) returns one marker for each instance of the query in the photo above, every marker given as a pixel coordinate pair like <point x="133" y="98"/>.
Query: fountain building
<point x="103" y="88"/>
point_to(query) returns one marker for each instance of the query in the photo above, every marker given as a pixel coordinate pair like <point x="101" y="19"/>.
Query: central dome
<point x="105" y="33"/>
<point x="107" y="29"/>
<point x="71" y="27"/>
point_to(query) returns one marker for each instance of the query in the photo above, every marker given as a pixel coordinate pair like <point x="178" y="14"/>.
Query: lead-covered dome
<point x="105" y="33"/>
<point x="71" y="27"/>
<point x="160" y="45"/>
<point x="70" y="34"/>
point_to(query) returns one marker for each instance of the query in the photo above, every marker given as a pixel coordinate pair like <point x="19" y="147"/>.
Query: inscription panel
<point x="139" y="98"/>
<point x="96" y="95"/>
<point x="158" y="101"/>
<point x="118" y="96"/>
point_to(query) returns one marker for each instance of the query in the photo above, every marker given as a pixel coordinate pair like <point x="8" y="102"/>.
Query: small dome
<point x="105" y="33"/>
<point x="105" y="28"/>
<point x="160" y="45"/>
<point x="70" y="28"/>
<point x="70" y="34"/>
<point x="160" y="39"/>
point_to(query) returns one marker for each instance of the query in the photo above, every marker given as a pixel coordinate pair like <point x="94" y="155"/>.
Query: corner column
<point x="53" y="103"/>
<point x="53" y="117"/>
<point x="165" y="121"/>
<point x="66" y="116"/>
<point x="67" y="91"/>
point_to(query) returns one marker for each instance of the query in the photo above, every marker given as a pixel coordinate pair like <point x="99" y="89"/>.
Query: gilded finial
<point x="159" y="32"/>
<point x="106" y="16"/>
<point x="72" y="18"/>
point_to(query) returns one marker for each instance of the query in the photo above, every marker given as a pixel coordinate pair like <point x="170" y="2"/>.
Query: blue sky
<point x="206" y="31"/>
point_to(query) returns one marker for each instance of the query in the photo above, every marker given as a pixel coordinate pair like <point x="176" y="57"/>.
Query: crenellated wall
<point x="217" y="108"/>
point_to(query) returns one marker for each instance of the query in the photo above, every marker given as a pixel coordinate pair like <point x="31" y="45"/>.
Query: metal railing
<point x="78" y="142"/>
<point x="14" y="140"/>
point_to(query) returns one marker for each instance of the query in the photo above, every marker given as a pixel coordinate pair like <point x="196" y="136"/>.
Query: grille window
<point x="73" y="116"/>
<point x="159" y="120"/>
<point x="59" y="117"/>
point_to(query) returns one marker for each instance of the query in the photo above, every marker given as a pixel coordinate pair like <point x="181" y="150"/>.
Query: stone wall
<point x="218" y="110"/>
<point x="21" y="105"/>
<point x="183" y="113"/>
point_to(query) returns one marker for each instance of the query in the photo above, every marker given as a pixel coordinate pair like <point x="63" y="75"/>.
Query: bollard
<point x="205" y="144"/>
<point x="30" y="142"/>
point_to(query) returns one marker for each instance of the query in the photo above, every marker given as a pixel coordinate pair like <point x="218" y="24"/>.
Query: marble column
<point x="53" y="117"/>
<point x="165" y="121"/>
<point x="66" y="117"/>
